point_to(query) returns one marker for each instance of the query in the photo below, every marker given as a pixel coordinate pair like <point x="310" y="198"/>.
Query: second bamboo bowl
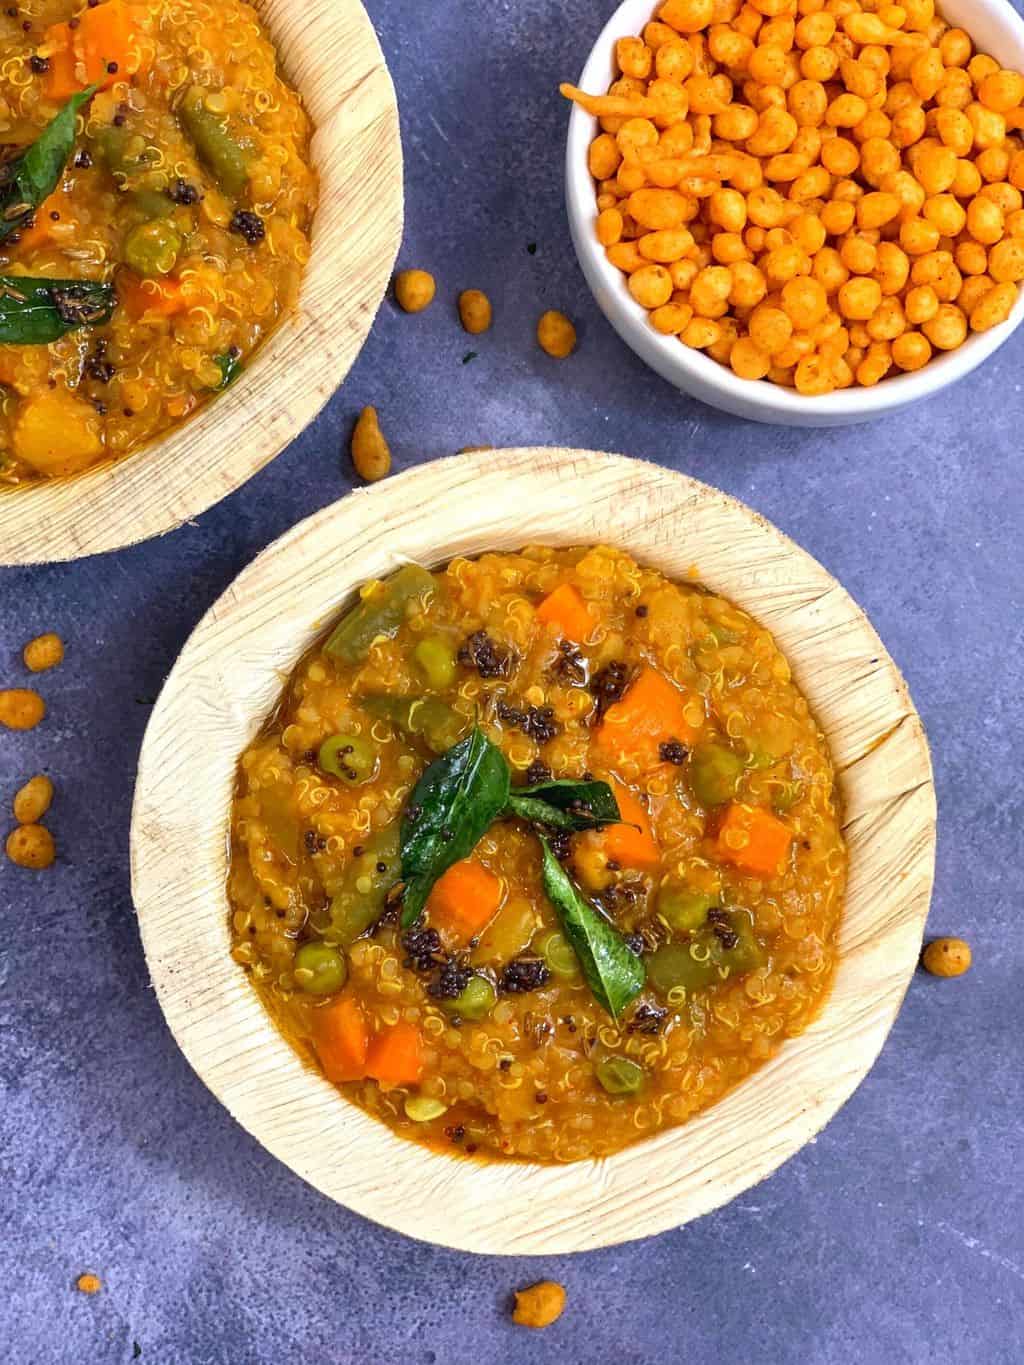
<point x="328" y="51"/>
<point x="228" y="678"/>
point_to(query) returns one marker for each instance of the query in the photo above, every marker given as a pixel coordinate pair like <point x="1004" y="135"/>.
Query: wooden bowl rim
<point x="229" y="675"/>
<point x="329" y="52"/>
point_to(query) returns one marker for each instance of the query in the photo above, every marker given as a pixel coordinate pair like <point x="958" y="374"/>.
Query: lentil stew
<point x="538" y="854"/>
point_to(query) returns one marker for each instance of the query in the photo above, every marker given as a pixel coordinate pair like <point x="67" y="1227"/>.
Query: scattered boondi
<point x="45" y="651"/>
<point x="556" y="335"/>
<point x="32" y="801"/>
<point x="21" y="708"/>
<point x="947" y="957"/>
<point x="540" y="1305"/>
<point x="415" y="290"/>
<point x="31" y="846"/>
<point x="371" y="453"/>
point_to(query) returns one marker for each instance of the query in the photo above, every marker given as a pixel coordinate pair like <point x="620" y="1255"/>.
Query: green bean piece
<point x="152" y="248"/>
<point x="619" y="1075"/>
<point x="320" y="969"/>
<point x="436" y="658"/>
<point x="223" y="156"/>
<point x="673" y="965"/>
<point x="684" y="910"/>
<point x="703" y="959"/>
<point x="352" y="759"/>
<point x="722" y="635"/>
<point x="359" y="901"/>
<point x="476" y="999"/>
<point x="556" y="950"/>
<point x="421" y="718"/>
<point x="380" y="613"/>
<point x="715" y="772"/>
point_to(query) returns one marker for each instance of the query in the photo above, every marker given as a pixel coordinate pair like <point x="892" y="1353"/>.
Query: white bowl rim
<point x="681" y="364"/>
<point x="329" y="52"/>
<point x="228" y="677"/>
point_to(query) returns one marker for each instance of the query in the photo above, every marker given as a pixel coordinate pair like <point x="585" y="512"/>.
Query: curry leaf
<point x="566" y="804"/>
<point x="34" y="312"/>
<point x="27" y="180"/>
<point x="229" y="363"/>
<point x="451" y="807"/>
<point x="614" y="974"/>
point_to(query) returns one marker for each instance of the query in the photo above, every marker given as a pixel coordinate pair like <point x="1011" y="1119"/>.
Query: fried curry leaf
<point x="27" y="180"/>
<point x="34" y="312"/>
<point x="451" y="807"/>
<point x="566" y="804"/>
<point x="614" y="974"/>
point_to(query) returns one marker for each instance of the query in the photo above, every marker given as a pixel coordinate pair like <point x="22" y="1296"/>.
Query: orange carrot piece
<point x="625" y="845"/>
<point x="341" y="1040"/>
<point x="753" y="840"/>
<point x="566" y="609"/>
<point x="152" y="298"/>
<point x="465" y="900"/>
<point x="395" y="1056"/>
<point x="106" y="37"/>
<point x="650" y="713"/>
<point x="42" y="227"/>
<point x="61" y="81"/>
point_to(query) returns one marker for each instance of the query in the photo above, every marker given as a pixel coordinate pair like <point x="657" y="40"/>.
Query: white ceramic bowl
<point x="995" y="27"/>
<point x="229" y="676"/>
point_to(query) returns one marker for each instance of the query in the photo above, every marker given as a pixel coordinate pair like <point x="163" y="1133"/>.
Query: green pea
<point x="152" y="248"/>
<point x="381" y="612"/>
<point x="357" y="902"/>
<point x="476" y="999"/>
<point x="421" y="1108"/>
<point x="437" y="660"/>
<point x="320" y="969"/>
<point x="352" y="759"/>
<point x="715" y="772"/>
<point x="557" y="953"/>
<point x="619" y="1075"/>
<point x="683" y="910"/>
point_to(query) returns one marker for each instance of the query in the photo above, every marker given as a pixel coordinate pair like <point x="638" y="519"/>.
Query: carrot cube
<point x="566" y="609"/>
<point x="651" y="712"/>
<point x="625" y="845"/>
<point x="464" y="900"/>
<point x="753" y="840"/>
<point x="341" y="1040"/>
<point x="395" y="1055"/>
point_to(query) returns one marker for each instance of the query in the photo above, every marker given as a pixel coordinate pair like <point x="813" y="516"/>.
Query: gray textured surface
<point x="896" y="1236"/>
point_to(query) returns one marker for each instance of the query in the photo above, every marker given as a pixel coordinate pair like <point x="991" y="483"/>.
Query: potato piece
<point x="57" y="433"/>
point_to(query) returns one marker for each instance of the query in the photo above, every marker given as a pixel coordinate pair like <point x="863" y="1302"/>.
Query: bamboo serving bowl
<point x="228" y="678"/>
<point x="329" y="52"/>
